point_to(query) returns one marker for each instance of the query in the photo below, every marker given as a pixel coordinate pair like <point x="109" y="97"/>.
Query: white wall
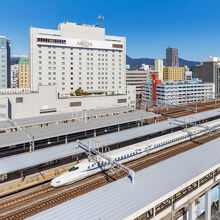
<point x="47" y="98"/>
<point x="97" y="65"/>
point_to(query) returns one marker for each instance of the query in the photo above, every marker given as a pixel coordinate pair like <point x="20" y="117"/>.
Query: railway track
<point x="200" y="105"/>
<point x="29" y="203"/>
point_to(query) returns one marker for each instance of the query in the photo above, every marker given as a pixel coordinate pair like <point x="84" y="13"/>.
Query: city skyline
<point x="149" y="26"/>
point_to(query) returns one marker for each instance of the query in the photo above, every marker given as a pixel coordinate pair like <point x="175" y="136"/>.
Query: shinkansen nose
<point x="55" y="183"/>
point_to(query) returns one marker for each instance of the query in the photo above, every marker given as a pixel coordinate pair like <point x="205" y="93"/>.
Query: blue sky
<point x="150" y="26"/>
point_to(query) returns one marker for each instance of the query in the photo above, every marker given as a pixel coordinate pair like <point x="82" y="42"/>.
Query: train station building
<point x="24" y="103"/>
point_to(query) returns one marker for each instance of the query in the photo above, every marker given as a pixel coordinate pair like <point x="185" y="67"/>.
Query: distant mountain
<point x="14" y="60"/>
<point x="136" y="62"/>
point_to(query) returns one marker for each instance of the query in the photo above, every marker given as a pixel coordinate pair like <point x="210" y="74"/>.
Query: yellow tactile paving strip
<point x="17" y="184"/>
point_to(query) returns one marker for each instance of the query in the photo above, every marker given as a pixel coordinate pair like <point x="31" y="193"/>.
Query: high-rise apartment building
<point x="173" y="73"/>
<point x="158" y="65"/>
<point x="172" y="58"/>
<point x="5" y="72"/>
<point x="77" y="56"/>
<point x="14" y="76"/>
<point x="23" y="73"/>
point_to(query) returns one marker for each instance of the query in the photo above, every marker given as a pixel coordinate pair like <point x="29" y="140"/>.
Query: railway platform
<point x="29" y="169"/>
<point x="26" y="181"/>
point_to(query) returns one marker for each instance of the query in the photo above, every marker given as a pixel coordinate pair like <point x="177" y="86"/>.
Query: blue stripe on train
<point x="149" y="149"/>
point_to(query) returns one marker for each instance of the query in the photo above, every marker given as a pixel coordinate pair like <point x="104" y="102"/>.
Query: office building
<point x="24" y="102"/>
<point x="188" y="75"/>
<point x="172" y="58"/>
<point x="77" y="56"/>
<point x="14" y="76"/>
<point x="5" y="72"/>
<point x="136" y="78"/>
<point x="173" y="73"/>
<point x="209" y="71"/>
<point x="127" y="67"/>
<point x="158" y="66"/>
<point x="176" y="92"/>
<point x="145" y="67"/>
<point x="23" y="73"/>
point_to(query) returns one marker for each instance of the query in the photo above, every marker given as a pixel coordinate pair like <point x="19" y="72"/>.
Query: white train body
<point x="132" y="152"/>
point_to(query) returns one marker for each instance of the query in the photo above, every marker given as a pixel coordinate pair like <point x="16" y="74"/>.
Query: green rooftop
<point x="23" y="61"/>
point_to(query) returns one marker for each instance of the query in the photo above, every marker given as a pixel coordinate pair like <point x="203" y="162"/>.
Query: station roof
<point x="31" y="121"/>
<point x="40" y="133"/>
<point x="121" y="199"/>
<point x="37" y="157"/>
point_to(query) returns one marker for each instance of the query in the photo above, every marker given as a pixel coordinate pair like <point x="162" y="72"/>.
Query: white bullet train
<point x="132" y="152"/>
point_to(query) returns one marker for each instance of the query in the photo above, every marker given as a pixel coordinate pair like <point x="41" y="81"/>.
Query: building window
<point x="19" y="100"/>
<point x="75" y="104"/>
<point x="122" y="100"/>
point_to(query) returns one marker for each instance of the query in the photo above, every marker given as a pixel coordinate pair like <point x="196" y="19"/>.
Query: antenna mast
<point x="100" y="19"/>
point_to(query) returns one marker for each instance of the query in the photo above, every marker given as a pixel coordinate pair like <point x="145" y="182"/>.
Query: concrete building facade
<point x="77" y="56"/>
<point x="23" y="73"/>
<point x="22" y="102"/>
<point x="172" y="58"/>
<point x="158" y="65"/>
<point x="136" y="78"/>
<point x="173" y="73"/>
<point x="14" y="76"/>
<point x="209" y="71"/>
<point x="5" y="72"/>
<point x="177" y="92"/>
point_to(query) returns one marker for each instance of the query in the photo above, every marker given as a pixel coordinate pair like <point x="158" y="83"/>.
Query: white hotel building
<point x="77" y="56"/>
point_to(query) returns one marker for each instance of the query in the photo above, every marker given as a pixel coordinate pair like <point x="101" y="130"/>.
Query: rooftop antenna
<point x="100" y="19"/>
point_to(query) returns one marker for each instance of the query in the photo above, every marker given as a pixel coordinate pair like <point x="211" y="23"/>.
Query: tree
<point x="79" y="92"/>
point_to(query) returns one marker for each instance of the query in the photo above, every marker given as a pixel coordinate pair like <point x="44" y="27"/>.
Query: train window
<point x="73" y="169"/>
